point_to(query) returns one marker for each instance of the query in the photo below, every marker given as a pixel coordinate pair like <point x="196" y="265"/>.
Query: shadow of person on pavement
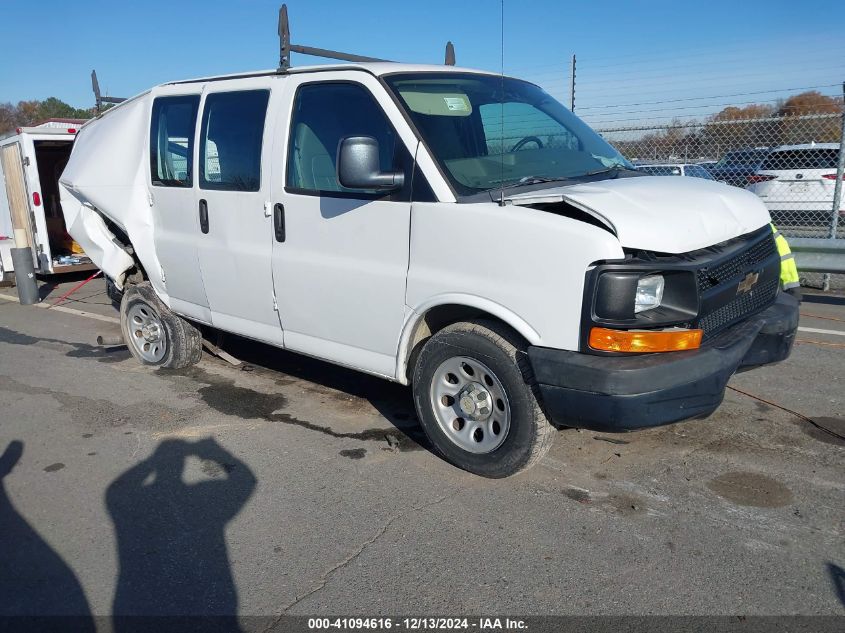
<point x="34" y="580"/>
<point x="837" y="577"/>
<point x="171" y="539"/>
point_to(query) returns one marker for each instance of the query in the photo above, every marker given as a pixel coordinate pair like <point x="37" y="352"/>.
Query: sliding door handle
<point x="279" y="221"/>
<point x="203" y="216"/>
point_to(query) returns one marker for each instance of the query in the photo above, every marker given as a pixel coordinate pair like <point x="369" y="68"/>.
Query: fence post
<point x="840" y="169"/>
<point x="837" y="188"/>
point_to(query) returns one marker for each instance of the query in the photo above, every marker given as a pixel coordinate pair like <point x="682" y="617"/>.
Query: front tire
<point x="155" y="335"/>
<point x="476" y="398"/>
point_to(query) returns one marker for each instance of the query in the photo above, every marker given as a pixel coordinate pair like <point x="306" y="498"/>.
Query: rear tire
<point x="154" y="335"/>
<point x="477" y="401"/>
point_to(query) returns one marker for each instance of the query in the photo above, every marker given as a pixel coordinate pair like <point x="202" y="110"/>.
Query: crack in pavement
<point x="324" y="579"/>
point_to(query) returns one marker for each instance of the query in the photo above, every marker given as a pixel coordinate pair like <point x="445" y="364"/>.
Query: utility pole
<point x="572" y="85"/>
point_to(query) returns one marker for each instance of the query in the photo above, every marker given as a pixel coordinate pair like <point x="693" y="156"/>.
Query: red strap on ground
<point x="75" y="288"/>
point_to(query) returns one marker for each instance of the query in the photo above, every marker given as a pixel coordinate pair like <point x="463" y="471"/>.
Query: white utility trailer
<point x="31" y="161"/>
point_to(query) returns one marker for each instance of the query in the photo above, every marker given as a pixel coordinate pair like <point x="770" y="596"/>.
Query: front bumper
<point x="623" y="393"/>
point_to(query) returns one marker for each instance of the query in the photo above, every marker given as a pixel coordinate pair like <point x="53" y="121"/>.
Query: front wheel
<point x="476" y="398"/>
<point x="155" y="335"/>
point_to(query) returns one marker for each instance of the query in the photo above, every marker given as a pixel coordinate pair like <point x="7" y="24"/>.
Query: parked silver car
<point x="682" y="169"/>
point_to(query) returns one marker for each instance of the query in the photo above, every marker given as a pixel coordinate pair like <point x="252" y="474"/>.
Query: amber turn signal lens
<point x="644" y="341"/>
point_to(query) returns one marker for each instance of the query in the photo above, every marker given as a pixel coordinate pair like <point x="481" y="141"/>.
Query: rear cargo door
<point x="17" y="197"/>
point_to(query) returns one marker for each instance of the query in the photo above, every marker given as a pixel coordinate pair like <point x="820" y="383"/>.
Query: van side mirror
<point x="358" y="165"/>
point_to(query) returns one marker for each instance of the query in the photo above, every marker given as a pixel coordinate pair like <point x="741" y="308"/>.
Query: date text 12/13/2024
<point x="416" y="624"/>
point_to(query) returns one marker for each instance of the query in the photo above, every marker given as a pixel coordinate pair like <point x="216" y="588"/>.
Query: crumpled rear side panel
<point x="92" y="234"/>
<point x="106" y="174"/>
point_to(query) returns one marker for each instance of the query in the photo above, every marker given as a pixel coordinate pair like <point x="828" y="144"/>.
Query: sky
<point x="639" y="61"/>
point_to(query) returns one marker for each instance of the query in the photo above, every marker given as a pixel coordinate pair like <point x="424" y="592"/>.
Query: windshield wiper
<point x="529" y="180"/>
<point x="607" y="170"/>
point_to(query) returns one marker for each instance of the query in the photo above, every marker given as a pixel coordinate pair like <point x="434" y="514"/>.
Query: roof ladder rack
<point x="286" y="48"/>
<point x="100" y="99"/>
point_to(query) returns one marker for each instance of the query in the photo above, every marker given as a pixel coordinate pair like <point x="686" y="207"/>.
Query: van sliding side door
<point x="232" y="207"/>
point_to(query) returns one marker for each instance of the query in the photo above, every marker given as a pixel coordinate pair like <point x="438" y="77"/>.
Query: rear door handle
<point x="203" y="216"/>
<point x="279" y="221"/>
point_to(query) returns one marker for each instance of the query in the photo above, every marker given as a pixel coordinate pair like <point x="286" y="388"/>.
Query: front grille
<point x="742" y="305"/>
<point x="737" y="265"/>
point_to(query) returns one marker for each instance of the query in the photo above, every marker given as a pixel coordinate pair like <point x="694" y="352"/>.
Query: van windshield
<point x="487" y="131"/>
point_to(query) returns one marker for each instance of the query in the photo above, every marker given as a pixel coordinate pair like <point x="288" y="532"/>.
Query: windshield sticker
<point x="456" y="104"/>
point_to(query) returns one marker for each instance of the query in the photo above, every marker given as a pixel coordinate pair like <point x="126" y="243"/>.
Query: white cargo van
<point x="31" y="160"/>
<point x="450" y="229"/>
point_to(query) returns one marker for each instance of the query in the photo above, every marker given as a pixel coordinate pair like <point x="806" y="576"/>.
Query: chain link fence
<point x="793" y="163"/>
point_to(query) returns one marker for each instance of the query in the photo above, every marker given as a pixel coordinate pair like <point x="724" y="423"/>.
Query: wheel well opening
<point x="136" y="274"/>
<point x="440" y="317"/>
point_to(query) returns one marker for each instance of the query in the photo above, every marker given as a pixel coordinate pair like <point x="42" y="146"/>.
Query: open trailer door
<point x="17" y="198"/>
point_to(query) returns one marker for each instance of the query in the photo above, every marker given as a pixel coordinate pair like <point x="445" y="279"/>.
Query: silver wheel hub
<point x="470" y="404"/>
<point x="475" y="402"/>
<point x="151" y="332"/>
<point x="146" y="333"/>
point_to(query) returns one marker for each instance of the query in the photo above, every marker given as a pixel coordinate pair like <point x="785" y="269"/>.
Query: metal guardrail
<point x="818" y="255"/>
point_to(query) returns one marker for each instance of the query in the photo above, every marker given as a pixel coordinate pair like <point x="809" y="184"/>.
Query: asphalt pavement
<point x="290" y="486"/>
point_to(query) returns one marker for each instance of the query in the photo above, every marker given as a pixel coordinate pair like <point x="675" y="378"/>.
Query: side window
<point x="230" y="140"/>
<point x="172" y="128"/>
<point x="324" y="114"/>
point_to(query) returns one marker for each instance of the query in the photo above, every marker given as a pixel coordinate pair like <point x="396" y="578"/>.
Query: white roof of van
<point x="375" y="68"/>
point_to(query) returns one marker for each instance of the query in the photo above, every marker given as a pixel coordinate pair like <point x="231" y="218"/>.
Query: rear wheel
<point x="475" y="396"/>
<point x="155" y="335"/>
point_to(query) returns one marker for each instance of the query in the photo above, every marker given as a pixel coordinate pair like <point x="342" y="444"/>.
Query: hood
<point x="659" y="213"/>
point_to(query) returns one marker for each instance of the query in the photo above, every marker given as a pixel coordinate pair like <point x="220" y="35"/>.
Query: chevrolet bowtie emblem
<point x="748" y="283"/>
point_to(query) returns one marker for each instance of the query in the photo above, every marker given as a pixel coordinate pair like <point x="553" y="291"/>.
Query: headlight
<point x="649" y="293"/>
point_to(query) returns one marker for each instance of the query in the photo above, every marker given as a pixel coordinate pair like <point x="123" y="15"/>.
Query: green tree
<point x="52" y="108"/>
<point x="32" y="112"/>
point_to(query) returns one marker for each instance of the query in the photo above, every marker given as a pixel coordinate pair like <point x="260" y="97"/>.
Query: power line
<point x="691" y="120"/>
<point x="675" y="61"/>
<point x="651" y="81"/>
<point x="787" y="62"/>
<point x="519" y="125"/>
<point x="599" y="98"/>
<point x="693" y="52"/>
<point x="629" y="60"/>
<point x="712" y="106"/>
<point x="737" y="94"/>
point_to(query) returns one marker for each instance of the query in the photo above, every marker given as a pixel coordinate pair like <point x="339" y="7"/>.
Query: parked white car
<point x="680" y="169"/>
<point x="445" y="228"/>
<point x="796" y="183"/>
